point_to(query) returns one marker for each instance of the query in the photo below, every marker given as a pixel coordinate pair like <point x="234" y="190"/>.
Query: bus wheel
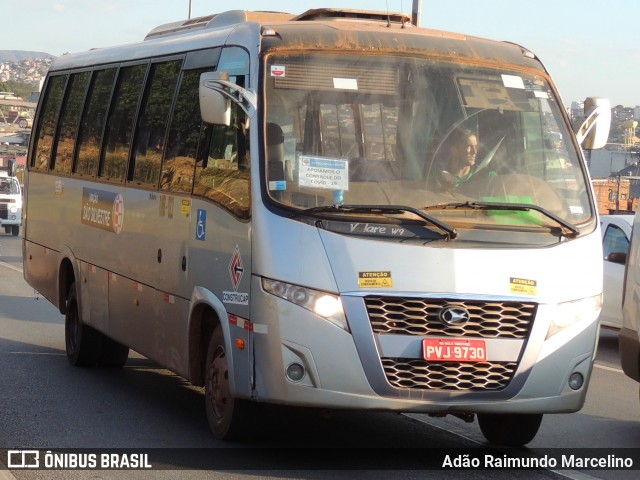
<point x="15" y="230"/>
<point x="114" y="354"/>
<point x="512" y="430"/>
<point x="228" y="417"/>
<point x="83" y="343"/>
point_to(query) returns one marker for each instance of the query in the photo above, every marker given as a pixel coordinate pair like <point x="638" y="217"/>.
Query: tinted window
<point x="93" y="120"/>
<point x="69" y="122"/>
<point x="121" y="123"/>
<point x="615" y="240"/>
<point x="48" y="121"/>
<point x="185" y="135"/>
<point x="153" y="122"/>
<point x="202" y="58"/>
<point x="223" y="176"/>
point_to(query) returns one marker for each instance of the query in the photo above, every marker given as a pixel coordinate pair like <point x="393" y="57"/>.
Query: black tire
<point x="113" y="354"/>
<point x="15" y="230"/>
<point x="229" y="418"/>
<point x="83" y="343"/>
<point x="513" y="430"/>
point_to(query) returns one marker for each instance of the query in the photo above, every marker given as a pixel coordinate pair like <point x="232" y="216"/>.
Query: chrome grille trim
<point x="419" y="316"/>
<point x="420" y="374"/>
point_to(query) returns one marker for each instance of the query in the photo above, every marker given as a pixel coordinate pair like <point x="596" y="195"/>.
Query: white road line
<point x="604" y="367"/>
<point x="4" y="264"/>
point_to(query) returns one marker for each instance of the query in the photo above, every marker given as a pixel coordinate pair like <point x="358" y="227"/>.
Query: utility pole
<point x="415" y="12"/>
<point x="189" y="18"/>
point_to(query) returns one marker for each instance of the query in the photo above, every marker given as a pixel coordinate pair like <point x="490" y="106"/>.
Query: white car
<point x="616" y="235"/>
<point x="10" y="204"/>
<point x="629" y="336"/>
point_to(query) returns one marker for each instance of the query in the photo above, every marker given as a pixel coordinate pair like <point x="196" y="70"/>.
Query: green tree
<point x="23" y="90"/>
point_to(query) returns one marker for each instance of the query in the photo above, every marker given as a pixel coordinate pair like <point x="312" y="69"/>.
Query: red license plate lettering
<point x="454" y="350"/>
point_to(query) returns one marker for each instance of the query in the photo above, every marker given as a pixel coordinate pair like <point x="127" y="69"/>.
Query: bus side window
<point x="48" y="122"/>
<point x="223" y="176"/>
<point x="93" y="121"/>
<point x="184" y="136"/>
<point x="152" y="127"/>
<point x="69" y="122"/>
<point x="120" y="124"/>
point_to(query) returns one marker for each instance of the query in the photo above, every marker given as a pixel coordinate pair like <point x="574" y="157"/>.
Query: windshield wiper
<point x="451" y="232"/>
<point x="568" y="229"/>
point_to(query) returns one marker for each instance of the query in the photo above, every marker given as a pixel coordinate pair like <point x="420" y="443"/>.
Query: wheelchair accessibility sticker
<point x="201" y="225"/>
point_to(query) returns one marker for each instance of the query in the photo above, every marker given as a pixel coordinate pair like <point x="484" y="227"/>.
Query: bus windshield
<point x="426" y="134"/>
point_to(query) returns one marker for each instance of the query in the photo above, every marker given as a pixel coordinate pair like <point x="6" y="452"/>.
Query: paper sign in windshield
<point x="318" y="172"/>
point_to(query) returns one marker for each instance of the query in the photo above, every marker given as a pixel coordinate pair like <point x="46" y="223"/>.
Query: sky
<point x="591" y="48"/>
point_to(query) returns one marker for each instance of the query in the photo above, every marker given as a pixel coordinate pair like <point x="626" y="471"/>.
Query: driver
<point x="463" y="153"/>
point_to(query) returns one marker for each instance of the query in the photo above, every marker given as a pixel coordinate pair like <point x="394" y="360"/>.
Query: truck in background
<point x="10" y="199"/>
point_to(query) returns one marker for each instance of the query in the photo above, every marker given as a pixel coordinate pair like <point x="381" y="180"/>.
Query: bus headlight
<point x="568" y="313"/>
<point x="323" y="304"/>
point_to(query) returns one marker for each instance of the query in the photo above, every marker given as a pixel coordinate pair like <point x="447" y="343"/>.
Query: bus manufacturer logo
<point x="454" y="315"/>
<point x="236" y="269"/>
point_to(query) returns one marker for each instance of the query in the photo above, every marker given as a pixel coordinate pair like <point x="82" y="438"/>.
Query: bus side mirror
<point x="617" y="257"/>
<point x="215" y="108"/>
<point x="216" y="92"/>
<point x="594" y="131"/>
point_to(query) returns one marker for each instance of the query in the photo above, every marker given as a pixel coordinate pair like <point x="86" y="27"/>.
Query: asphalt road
<point x="46" y="404"/>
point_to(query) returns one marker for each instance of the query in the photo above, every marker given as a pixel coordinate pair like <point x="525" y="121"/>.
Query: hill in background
<point x="18" y="56"/>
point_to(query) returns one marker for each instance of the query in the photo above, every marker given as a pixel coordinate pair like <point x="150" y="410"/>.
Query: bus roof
<point x="342" y="29"/>
<point x="224" y="19"/>
<point x="233" y="17"/>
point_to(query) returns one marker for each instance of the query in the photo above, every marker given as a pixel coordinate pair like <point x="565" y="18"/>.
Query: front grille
<point x="420" y="374"/>
<point x="419" y="316"/>
<point x="4" y="212"/>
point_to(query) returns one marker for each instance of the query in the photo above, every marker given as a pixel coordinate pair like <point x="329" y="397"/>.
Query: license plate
<point x="454" y="350"/>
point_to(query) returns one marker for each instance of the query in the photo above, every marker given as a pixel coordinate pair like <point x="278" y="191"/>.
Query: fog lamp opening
<point x="295" y="372"/>
<point x="576" y="380"/>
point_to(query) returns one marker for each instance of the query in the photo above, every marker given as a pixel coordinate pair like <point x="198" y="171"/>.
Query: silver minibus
<point x="276" y="207"/>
